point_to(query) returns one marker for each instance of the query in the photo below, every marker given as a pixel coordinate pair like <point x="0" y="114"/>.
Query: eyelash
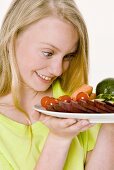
<point x="47" y="54"/>
<point x="66" y="57"/>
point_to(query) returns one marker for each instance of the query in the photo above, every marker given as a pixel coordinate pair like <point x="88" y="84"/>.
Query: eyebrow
<point x="50" y="45"/>
<point x="58" y="48"/>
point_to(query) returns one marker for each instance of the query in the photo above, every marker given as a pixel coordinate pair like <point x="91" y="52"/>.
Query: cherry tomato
<point x="65" y="98"/>
<point x="52" y="101"/>
<point x="44" y="101"/>
<point x="82" y="96"/>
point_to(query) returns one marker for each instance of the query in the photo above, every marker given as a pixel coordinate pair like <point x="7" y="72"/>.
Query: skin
<point x="42" y="50"/>
<point x="102" y="157"/>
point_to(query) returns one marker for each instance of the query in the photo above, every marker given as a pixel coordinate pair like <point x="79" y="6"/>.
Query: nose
<point x="56" y="67"/>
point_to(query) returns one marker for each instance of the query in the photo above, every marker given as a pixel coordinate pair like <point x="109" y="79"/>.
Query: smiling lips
<point x="44" y="77"/>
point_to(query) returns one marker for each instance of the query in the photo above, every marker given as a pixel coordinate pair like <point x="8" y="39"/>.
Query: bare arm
<point x="102" y="157"/>
<point x="56" y="147"/>
<point x="54" y="154"/>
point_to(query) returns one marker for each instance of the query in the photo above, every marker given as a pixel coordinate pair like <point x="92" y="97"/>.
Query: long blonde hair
<point x="20" y="15"/>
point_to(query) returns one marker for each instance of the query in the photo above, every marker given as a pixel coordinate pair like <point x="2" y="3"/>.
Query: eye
<point x="69" y="56"/>
<point x="47" y="54"/>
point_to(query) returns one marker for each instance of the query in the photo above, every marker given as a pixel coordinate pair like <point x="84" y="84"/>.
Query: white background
<point x="99" y="18"/>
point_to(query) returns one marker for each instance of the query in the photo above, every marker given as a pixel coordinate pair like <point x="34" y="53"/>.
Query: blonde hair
<point x="20" y="15"/>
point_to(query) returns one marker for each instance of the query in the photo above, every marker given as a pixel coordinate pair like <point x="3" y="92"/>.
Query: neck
<point x="29" y="98"/>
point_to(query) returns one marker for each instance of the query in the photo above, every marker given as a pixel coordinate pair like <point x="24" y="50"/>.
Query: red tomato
<point x="44" y="101"/>
<point x="65" y="98"/>
<point x="52" y="101"/>
<point x="82" y="96"/>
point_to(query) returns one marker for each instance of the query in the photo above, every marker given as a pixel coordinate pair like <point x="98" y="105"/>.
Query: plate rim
<point x="40" y="109"/>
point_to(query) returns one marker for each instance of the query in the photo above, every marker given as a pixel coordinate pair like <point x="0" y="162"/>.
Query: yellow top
<point x="18" y="153"/>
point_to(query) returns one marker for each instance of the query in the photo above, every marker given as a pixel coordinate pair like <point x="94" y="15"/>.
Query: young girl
<point x="44" y="51"/>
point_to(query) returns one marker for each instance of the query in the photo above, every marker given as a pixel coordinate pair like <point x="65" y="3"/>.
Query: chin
<point x="41" y="88"/>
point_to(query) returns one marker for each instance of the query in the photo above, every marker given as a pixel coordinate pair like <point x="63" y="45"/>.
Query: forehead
<point x="53" y="30"/>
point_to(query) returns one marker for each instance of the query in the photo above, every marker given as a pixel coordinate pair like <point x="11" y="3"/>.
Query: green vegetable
<point x="106" y="86"/>
<point x="106" y="97"/>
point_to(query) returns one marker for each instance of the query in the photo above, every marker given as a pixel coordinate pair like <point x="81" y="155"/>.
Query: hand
<point x="62" y="127"/>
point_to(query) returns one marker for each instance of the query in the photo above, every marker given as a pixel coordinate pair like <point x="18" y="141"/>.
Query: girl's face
<point x="44" y="51"/>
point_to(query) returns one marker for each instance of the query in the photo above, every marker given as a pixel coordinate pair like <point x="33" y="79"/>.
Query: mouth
<point x="44" y="78"/>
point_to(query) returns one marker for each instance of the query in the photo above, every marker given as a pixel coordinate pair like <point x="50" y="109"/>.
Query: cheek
<point x="26" y="58"/>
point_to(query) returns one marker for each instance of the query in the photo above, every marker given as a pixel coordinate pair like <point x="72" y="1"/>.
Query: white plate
<point x="92" y="117"/>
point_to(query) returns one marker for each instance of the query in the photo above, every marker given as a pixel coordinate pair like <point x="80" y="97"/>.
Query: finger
<point x="57" y="123"/>
<point x="75" y="128"/>
<point x="86" y="128"/>
<point x="64" y="123"/>
<point x="78" y="126"/>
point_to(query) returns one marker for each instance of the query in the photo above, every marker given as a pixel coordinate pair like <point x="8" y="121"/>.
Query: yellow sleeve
<point x="88" y="138"/>
<point x="92" y="136"/>
<point x="4" y="164"/>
